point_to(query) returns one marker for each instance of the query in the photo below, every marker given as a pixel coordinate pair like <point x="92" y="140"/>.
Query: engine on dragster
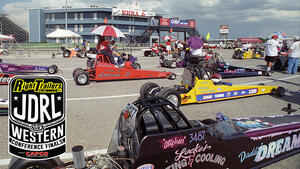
<point x="154" y="133"/>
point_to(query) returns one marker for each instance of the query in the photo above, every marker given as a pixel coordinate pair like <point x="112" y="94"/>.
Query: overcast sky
<point x="258" y="18"/>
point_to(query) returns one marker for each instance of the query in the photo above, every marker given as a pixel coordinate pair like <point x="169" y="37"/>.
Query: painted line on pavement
<point x="64" y="156"/>
<point x="102" y="97"/>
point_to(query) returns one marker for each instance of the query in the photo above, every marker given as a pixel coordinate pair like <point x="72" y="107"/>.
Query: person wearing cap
<point x="271" y="48"/>
<point x="294" y="56"/>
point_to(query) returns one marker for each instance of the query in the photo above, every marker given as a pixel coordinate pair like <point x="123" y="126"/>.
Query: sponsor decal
<point x="192" y="23"/>
<point x="244" y="155"/>
<point x="263" y="89"/>
<point x="164" y="21"/>
<point x="253" y="124"/>
<point x="220" y="95"/>
<point x="274" y="148"/>
<point x="207" y="97"/>
<point x="37" y="127"/>
<point x="172" y="142"/>
<point x="146" y="166"/>
<point x="132" y="13"/>
<point x="252" y="91"/>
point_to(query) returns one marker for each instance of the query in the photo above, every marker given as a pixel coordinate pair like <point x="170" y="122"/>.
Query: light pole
<point x="66" y="19"/>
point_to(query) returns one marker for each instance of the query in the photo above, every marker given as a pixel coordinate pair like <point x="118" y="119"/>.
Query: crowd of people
<point x="180" y="48"/>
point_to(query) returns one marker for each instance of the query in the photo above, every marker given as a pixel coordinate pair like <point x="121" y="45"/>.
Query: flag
<point x="105" y="20"/>
<point x="207" y="36"/>
<point x="171" y="30"/>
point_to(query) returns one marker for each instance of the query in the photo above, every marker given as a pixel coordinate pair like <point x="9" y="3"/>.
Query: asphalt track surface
<point x="93" y="110"/>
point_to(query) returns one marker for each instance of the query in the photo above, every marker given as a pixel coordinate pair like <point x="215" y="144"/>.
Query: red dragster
<point x="104" y="70"/>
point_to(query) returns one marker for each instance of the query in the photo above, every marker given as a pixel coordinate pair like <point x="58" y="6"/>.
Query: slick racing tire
<point x="81" y="78"/>
<point x="76" y="71"/>
<point x="52" y="69"/>
<point x="136" y="65"/>
<point x="171" y="64"/>
<point x="4" y="52"/>
<point x="171" y="95"/>
<point x="149" y="90"/>
<point x="66" y="54"/>
<point x="280" y="91"/>
<point x="17" y="163"/>
<point x="147" y="53"/>
<point x="172" y="76"/>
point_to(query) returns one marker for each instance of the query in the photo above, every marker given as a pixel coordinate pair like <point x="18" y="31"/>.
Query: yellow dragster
<point x="249" y="54"/>
<point x="197" y="90"/>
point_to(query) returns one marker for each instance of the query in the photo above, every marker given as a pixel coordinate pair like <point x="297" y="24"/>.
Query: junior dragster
<point x="25" y="69"/>
<point x="102" y="70"/>
<point x="197" y="86"/>
<point x="154" y="133"/>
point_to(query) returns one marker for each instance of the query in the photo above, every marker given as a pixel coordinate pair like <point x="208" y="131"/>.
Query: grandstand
<point x="8" y="27"/>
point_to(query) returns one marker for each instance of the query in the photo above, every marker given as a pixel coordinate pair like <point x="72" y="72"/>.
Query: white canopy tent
<point x="62" y="33"/>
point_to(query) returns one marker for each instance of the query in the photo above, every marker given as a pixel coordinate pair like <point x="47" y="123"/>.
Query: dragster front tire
<point x="149" y="90"/>
<point x="81" y="78"/>
<point x="280" y="91"/>
<point x="52" y="69"/>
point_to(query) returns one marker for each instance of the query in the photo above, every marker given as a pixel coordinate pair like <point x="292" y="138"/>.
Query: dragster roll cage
<point x="151" y="103"/>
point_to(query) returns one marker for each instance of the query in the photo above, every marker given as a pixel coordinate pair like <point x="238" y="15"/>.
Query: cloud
<point x="245" y="17"/>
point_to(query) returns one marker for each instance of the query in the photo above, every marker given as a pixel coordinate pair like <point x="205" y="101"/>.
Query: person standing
<point x="168" y="44"/>
<point x="271" y="48"/>
<point x="294" y="56"/>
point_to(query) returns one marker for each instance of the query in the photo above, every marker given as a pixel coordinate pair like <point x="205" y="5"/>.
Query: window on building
<point x="57" y="27"/>
<point x="81" y="28"/>
<point x="81" y="16"/>
<point x="47" y="17"/>
<point x="52" y="17"/>
<point x="75" y="16"/>
<point x="75" y="28"/>
<point x="112" y="18"/>
<point x="95" y="15"/>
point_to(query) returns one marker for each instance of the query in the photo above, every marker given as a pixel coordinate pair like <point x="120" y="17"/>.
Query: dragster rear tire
<point x="66" y="54"/>
<point x="81" y="78"/>
<point x="76" y="70"/>
<point x="149" y="90"/>
<point x="280" y="91"/>
<point x="171" y="95"/>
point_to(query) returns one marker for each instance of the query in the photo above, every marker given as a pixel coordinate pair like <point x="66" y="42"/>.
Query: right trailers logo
<point x="37" y="117"/>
